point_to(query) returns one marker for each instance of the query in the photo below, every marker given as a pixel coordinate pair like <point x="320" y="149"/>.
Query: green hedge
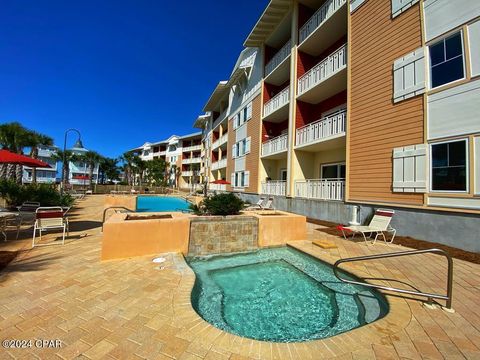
<point x="221" y="204"/>
<point x="45" y="194"/>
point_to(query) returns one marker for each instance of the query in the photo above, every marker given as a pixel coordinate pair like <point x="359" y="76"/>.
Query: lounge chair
<point x="379" y="225"/>
<point x="29" y="206"/>
<point x="269" y="204"/>
<point x="257" y="206"/>
<point x="50" y="218"/>
<point x="9" y="219"/>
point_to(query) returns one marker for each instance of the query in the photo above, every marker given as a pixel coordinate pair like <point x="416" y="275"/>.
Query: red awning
<point x="81" y="177"/>
<point x="220" y="182"/>
<point x="7" y="157"/>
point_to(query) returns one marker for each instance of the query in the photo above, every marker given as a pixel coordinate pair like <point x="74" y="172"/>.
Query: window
<point x="446" y="60"/>
<point x="333" y="171"/>
<point x="449" y="166"/>
<point x="241" y="179"/>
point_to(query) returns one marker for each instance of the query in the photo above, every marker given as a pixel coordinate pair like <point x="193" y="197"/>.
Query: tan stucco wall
<point x="277" y="229"/>
<point x="123" y="239"/>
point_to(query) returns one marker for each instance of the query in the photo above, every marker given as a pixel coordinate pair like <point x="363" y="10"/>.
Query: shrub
<point x="45" y="194"/>
<point x="221" y="204"/>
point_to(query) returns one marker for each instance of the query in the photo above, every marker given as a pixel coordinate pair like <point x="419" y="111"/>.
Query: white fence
<point x="274" y="187"/>
<point x="219" y="164"/>
<point x="323" y="70"/>
<point x="275" y="145"/>
<point x="191" y="160"/>
<point x="187" y="173"/>
<point x="220" y="141"/>
<point x="321" y="129"/>
<point x="218" y="187"/>
<point x="321" y="189"/>
<point x="277" y="59"/>
<point x="192" y="148"/>
<point x="320" y="16"/>
<point x="275" y="103"/>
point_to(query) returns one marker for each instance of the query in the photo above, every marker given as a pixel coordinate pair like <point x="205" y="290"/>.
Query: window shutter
<point x="399" y="6"/>
<point x="249" y="111"/>
<point x="247" y="179"/>
<point x="409" y="75"/>
<point x="355" y="4"/>
<point x="410" y="169"/>
<point x="247" y="145"/>
<point x="232" y="179"/>
<point x="234" y="151"/>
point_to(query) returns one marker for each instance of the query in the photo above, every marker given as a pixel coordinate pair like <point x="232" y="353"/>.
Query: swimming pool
<point x="280" y="295"/>
<point x="161" y="203"/>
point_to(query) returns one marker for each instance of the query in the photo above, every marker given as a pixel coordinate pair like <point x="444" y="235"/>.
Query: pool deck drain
<point x="128" y="309"/>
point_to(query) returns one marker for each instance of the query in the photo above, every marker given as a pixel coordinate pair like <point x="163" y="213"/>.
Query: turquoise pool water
<point x="280" y="295"/>
<point x="160" y="203"/>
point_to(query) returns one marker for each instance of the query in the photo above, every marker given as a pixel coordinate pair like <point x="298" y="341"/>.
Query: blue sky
<point x="122" y="72"/>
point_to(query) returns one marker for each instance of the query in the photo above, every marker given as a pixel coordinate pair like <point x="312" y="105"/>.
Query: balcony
<point x="192" y="148"/>
<point x="275" y="146"/>
<point x="274" y="187"/>
<point x="192" y="160"/>
<point x="219" y="164"/>
<point x="277" y="70"/>
<point x="187" y="173"/>
<point x="220" y="141"/>
<point x="323" y="130"/>
<point x="327" y="25"/>
<point x="321" y="189"/>
<point x="163" y="153"/>
<point x="275" y="109"/>
<point x="331" y="73"/>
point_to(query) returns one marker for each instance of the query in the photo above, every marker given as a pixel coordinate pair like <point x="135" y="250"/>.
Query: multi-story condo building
<point x="335" y="103"/>
<point x="44" y="175"/>
<point x="182" y="153"/>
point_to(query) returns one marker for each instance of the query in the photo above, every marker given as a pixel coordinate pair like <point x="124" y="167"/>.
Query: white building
<point x="80" y="171"/>
<point x="44" y="175"/>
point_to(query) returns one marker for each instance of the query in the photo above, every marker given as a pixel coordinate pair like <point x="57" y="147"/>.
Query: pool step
<point x="371" y="305"/>
<point x="324" y="244"/>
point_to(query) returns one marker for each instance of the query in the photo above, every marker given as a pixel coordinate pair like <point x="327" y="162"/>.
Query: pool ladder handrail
<point x="429" y="296"/>
<point x="113" y="207"/>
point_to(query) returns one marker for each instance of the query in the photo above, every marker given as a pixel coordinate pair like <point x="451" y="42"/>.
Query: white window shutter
<point x="399" y="6"/>
<point x="249" y="111"/>
<point x="232" y="179"/>
<point x="247" y="144"/>
<point x="247" y="179"/>
<point x="355" y="4"/>
<point x="410" y="169"/>
<point x="409" y="75"/>
<point x="234" y="151"/>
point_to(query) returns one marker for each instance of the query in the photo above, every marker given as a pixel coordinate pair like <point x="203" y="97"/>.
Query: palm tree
<point x="13" y="137"/>
<point x="127" y="159"/>
<point x="69" y="157"/>
<point x="140" y="166"/>
<point x="92" y="159"/>
<point x="109" y="169"/>
<point x="34" y="140"/>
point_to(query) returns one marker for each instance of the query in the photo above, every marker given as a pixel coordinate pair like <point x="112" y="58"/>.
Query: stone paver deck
<point x="134" y="309"/>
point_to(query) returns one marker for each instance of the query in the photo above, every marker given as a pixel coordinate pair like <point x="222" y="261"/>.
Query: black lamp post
<point x="79" y="141"/>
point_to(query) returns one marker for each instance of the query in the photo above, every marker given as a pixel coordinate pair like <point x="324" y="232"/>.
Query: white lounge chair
<point x="50" y="218"/>
<point x="379" y="225"/>
<point x="257" y="206"/>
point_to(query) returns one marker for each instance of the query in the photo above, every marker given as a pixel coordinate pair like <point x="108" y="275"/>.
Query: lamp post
<point x="64" y="150"/>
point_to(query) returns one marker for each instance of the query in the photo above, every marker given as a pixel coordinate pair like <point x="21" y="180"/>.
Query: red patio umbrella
<point x="7" y="157"/>
<point x="220" y="182"/>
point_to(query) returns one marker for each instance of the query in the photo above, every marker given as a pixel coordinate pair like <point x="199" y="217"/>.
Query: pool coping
<point x="195" y="329"/>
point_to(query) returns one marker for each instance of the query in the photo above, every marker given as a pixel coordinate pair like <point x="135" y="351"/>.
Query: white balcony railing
<point x="321" y="189"/>
<point x="192" y="160"/>
<point x="220" y="141"/>
<point x="278" y="58"/>
<point x="274" y="187"/>
<point x="192" y="148"/>
<point x="218" y="187"/>
<point x="164" y="152"/>
<point x="187" y="173"/>
<point x="322" y="129"/>
<point x="219" y="164"/>
<point x="323" y="70"/>
<point x="275" y="145"/>
<point x="320" y="16"/>
<point x="275" y="103"/>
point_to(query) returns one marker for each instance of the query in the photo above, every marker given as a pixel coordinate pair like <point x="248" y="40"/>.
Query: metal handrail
<point x="113" y="207"/>
<point x="429" y="296"/>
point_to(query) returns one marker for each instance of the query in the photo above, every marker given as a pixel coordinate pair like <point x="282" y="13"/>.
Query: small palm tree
<point x="127" y="159"/>
<point x="92" y="159"/>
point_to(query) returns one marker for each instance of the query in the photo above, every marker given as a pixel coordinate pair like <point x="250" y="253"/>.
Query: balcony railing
<point x="275" y="103"/>
<point x="187" y="173"/>
<point x="218" y="187"/>
<point x="191" y="160"/>
<point x="320" y="189"/>
<point x="322" y="129"/>
<point x="278" y="58"/>
<point x="275" y="145"/>
<point x="274" y="187"/>
<point x="219" y="164"/>
<point x="192" y="148"/>
<point x="320" y="16"/>
<point x="331" y="65"/>
<point x="220" y="141"/>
